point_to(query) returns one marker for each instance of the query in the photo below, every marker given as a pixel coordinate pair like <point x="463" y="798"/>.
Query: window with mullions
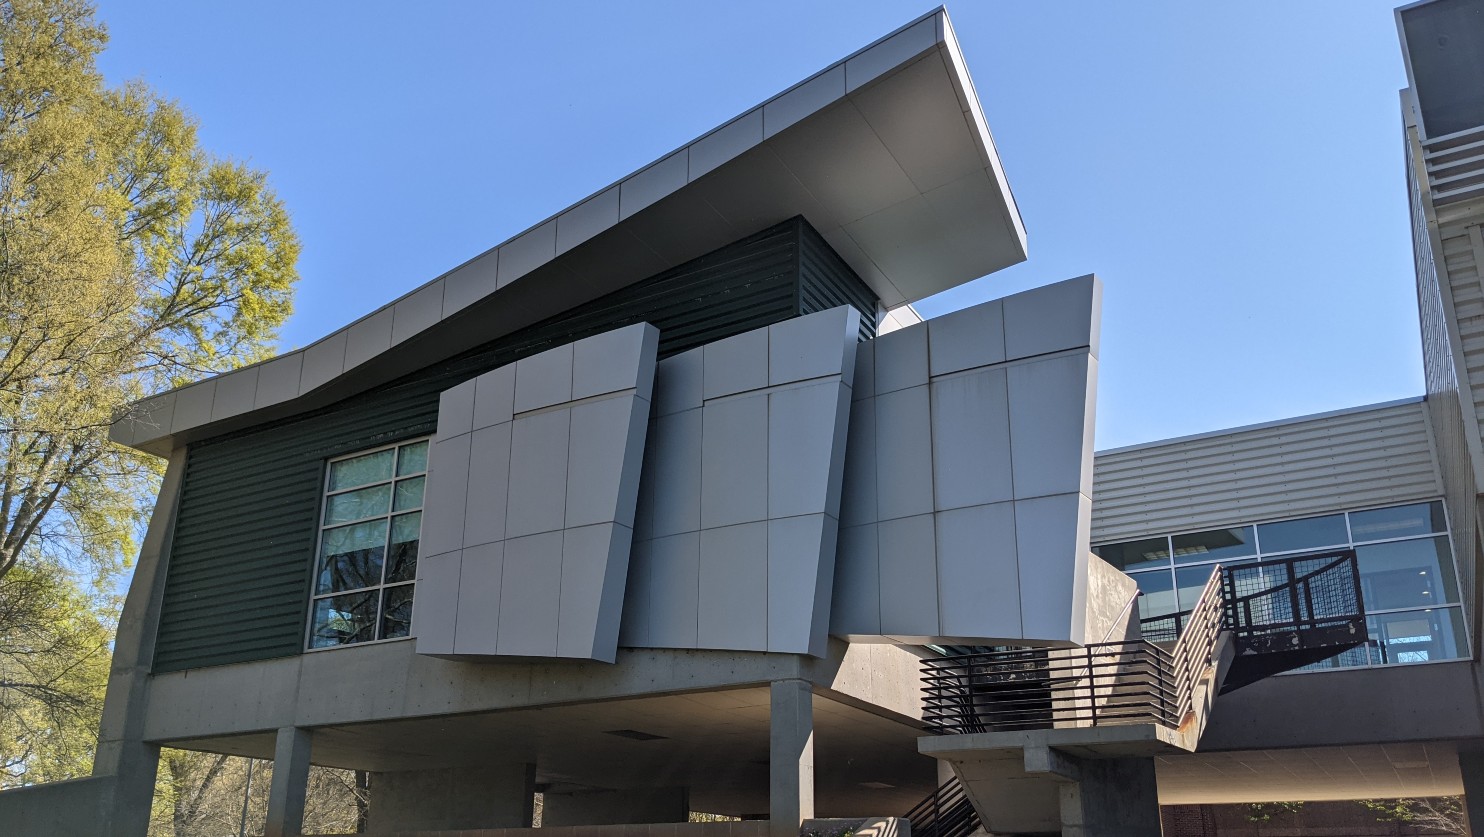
<point x="1407" y="574"/>
<point x="367" y="558"/>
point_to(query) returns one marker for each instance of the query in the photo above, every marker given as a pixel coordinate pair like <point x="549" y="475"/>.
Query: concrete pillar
<point x="1471" y="766"/>
<point x="1111" y="798"/>
<point x="488" y="796"/>
<point x="123" y="757"/>
<point x="615" y="807"/>
<point x="290" y="778"/>
<point x="790" y="756"/>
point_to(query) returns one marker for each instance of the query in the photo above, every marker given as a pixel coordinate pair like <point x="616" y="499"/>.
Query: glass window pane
<point x="1348" y="659"/>
<point x="1134" y="555"/>
<point x="1417" y="636"/>
<point x="409" y="494"/>
<point x="1216" y="545"/>
<point x="357" y="505"/>
<point x="402" y="565"/>
<point x="1310" y="533"/>
<point x="396" y="612"/>
<point x="349" y="473"/>
<point x="1156" y="593"/>
<point x="1189" y="582"/>
<point x="1397" y="522"/>
<point x="1407" y="574"/>
<point x="412" y="459"/>
<point x="341" y="620"/>
<point x="350" y="556"/>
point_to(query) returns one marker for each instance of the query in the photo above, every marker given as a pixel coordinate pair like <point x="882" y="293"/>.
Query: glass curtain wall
<point x="1407" y="574"/>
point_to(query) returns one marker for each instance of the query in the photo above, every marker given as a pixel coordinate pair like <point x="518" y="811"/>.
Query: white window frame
<point x="324" y="501"/>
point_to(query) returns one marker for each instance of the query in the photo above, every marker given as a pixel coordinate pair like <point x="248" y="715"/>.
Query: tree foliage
<point x="131" y="260"/>
<point x="1441" y="814"/>
<point x="203" y="795"/>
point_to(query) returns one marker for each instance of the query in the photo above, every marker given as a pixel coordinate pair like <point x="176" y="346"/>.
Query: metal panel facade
<point x="1352" y="459"/>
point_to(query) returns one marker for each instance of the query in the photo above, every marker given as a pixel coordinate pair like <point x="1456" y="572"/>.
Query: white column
<point x="790" y="757"/>
<point x="290" y="776"/>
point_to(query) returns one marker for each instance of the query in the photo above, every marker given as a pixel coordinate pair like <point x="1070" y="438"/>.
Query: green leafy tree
<point x="131" y="260"/>
<point x="1440" y="814"/>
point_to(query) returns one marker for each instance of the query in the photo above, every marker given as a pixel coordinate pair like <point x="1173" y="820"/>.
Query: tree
<point x="1441" y="814"/>
<point x="131" y="260"/>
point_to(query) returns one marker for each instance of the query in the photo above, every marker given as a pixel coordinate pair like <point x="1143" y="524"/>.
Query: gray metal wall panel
<point x="1346" y="460"/>
<point x="250" y="501"/>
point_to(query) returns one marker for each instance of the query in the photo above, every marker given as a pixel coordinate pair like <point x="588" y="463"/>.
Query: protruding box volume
<point x="967" y="504"/>
<point x="740" y="503"/>
<point x="532" y="485"/>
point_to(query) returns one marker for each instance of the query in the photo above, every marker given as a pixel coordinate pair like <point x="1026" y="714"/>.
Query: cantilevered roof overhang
<point x="886" y="153"/>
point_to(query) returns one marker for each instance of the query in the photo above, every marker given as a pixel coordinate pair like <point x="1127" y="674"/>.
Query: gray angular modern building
<point x="672" y="503"/>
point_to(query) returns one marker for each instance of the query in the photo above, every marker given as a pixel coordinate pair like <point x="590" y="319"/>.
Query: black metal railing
<point x="946" y="812"/>
<point x="1290" y="604"/>
<point x="1109" y="683"/>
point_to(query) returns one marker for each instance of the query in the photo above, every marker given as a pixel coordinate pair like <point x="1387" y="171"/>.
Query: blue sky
<point x="1232" y="171"/>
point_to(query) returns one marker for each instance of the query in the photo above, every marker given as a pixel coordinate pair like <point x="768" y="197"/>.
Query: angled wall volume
<point x="969" y="474"/>
<point x="532" y="483"/>
<point x="739" y="503"/>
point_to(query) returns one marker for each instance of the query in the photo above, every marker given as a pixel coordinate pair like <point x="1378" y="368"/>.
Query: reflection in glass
<point x="409" y="494"/>
<point x="1189" y="582"/>
<point x="1417" y="636"/>
<point x="1215" y="545"/>
<point x="1398" y="522"/>
<point x="1414" y="573"/>
<point x="402" y="565"/>
<point x="1134" y="555"/>
<point x="357" y="505"/>
<point x="1156" y="593"/>
<point x="350" y="556"/>
<point x="396" y="612"/>
<point x="340" y="620"/>
<point x="1348" y="659"/>
<point x="412" y="459"/>
<point x="373" y="467"/>
<point x="1310" y="533"/>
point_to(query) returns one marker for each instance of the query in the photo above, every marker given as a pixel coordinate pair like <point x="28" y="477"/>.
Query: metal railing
<point x="946" y="812"/>
<point x="1109" y="683"/>
<point x="1290" y="604"/>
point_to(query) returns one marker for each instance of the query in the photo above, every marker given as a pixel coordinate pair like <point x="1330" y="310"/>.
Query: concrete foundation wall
<point x="492" y="797"/>
<point x="78" y="808"/>
<point x="615" y="807"/>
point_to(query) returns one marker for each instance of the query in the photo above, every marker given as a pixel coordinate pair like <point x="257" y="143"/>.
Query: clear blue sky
<point x="1233" y="171"/>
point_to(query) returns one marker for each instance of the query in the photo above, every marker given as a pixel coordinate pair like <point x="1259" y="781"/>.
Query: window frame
<point x="325" y="493"/>
<point x="1465" y="649"/>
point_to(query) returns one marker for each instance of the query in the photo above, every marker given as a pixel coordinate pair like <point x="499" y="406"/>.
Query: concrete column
<point x="123" y="757"/>
<point x="1111" y="798"/>
<point x="290" y="777"/>
<point x="790" y="756"/>
<point x="1471" y="765"/>
<point x="487" y="796"/>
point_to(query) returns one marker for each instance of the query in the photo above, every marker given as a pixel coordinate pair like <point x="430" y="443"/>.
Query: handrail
<point x="946" y="812"/>
<point x="1300" y="602"/>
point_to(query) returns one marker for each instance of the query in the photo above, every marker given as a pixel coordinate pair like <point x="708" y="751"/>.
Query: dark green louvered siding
<point x="237" y="588"/>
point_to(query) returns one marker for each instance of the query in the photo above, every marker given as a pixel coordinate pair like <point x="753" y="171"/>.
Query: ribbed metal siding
<point x="826" y="281"/>
<point x="1350" y="460"/>
<point x="237" y="588"/>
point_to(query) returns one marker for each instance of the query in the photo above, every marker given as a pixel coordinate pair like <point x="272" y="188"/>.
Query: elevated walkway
<point x="1062" y="741"/>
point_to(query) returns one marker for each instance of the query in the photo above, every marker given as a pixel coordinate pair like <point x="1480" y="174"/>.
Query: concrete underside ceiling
<point x="1310" y="774"/>
<point x="715" y="743"/>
